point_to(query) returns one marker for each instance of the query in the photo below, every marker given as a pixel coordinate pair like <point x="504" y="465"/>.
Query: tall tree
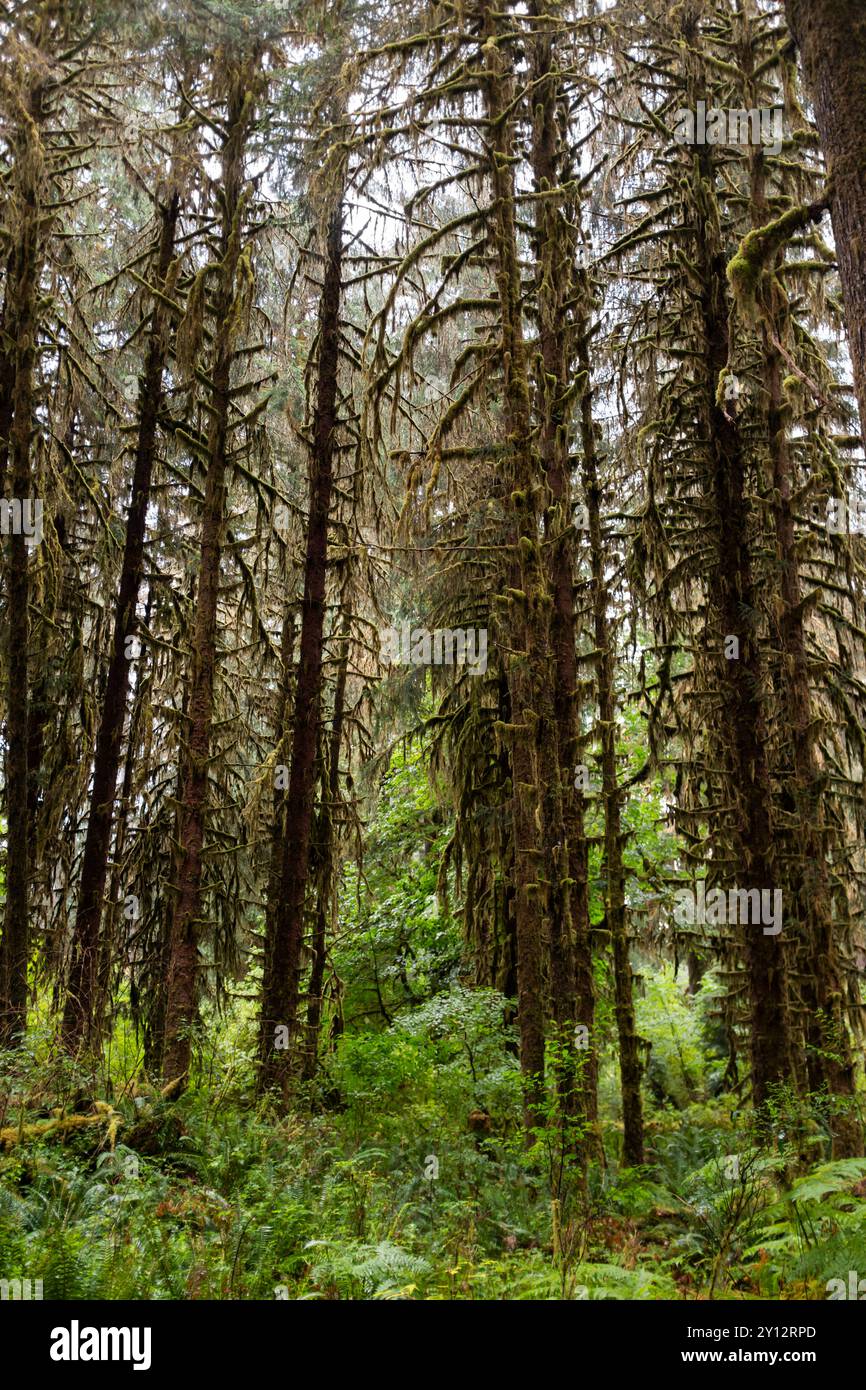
<point x="831" y="37"/>
<point x="554" y="255"/>
<point x="34" y="75"/>
<point x="238" y="88"/>
<point x="81" y="1021"/>
<point x="281" y="983"/>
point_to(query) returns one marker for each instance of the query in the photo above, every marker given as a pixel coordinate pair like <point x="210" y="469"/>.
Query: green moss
<point x="792" y="385"/>
<point x="724" y="375"/>
<point x="746" y="269"/>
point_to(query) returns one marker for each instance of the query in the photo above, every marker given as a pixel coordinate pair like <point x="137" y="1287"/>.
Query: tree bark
<point x="629" y="1041"/>
<point x="540" y="841"/>
<point x="282" y="724"/>
<point x="280" y="985"/>
<point x="182" y="996"/>
<point x="831" y="36"/>
<point x="22" y="327"/>
<point x="829" y="1055"/>
<point x="80" y="1023"/>
<point x="555" y="282"/>
<point x="743" y="679"/>
<point x="325" y="894"/>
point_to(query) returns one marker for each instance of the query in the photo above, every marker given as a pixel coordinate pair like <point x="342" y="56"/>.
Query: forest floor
<point x="403" y="1170"/>
<point x="402" y="1173"/>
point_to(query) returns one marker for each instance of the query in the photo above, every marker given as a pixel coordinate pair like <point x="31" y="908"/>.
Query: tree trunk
<point x="830" y="1053"/>
<point x="741" y="742"/>
<point x="280" y="985"/>
<point x="182" y="996"/>
<point x="80" y="1023"/>
<point x="554" y="274"/>
<point x="831" y="36"/>
<point x="22" y="327"/>
<point x="744" y="680"/>
<point x="282" y="723"/>
<point x="541" y="848"/>
<point x="629" y="1040"/>
<point x="325" y="896"/>
<point x="108" y="937"/>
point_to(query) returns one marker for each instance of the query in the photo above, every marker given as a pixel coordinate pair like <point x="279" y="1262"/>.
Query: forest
<point x="433" y="650"/>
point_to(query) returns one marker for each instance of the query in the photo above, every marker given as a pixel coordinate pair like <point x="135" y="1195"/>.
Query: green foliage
<point x="418" y="1185"/>
<point x="815" y="1231"/>
<point x="397" y="942"/>
<point x="366" y="1271"/>
<point x="673" y="1029"/>
<point x="404" y="1173"/>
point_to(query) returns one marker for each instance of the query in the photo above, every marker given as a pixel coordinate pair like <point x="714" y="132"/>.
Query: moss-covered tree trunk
<point x="734" y="661"/>
<point x="80" y="1023"/>
<point x="831" y="35"/>
<point x="614" y="870"/>
<point x="799" y="781"/>
<point x="231" y="293"/>
<point x="830" y="1060"/>
<point x="280" y="986"/>
<point x="740" y="668"/>
<point x="541" y="848"/>
<point x="326" y="883"/>
<point x="282" y="729"/>
<point x="28" y="221"/>
<point x="554" y="256"/>
<point x="111" y="954"/>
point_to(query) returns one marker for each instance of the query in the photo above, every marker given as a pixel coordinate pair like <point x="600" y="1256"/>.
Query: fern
<point x="377" y="1270"/>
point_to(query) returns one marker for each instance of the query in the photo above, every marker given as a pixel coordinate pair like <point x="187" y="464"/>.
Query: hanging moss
<point x="746" y="269"/>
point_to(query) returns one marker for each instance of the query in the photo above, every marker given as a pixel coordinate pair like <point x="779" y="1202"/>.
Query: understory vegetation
<point x="403" y="1171"/>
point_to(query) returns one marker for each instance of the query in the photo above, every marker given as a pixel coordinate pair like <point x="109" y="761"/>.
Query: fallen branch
<point x="63" y="1124"/>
